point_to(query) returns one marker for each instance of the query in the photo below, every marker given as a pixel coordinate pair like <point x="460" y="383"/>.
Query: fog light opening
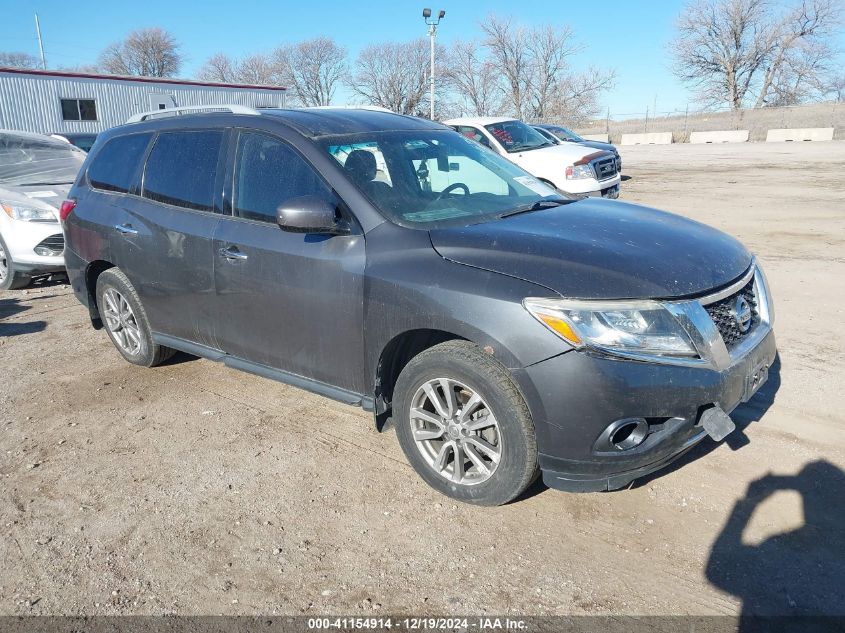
<point x="630" y="434"/>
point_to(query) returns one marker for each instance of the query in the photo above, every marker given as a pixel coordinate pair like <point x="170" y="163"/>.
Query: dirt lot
<point x="195" y="489"/>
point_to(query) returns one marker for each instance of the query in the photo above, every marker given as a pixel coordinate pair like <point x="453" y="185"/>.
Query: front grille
<point x="723" y="314"/>
<point x="51" y="246"/>
<point x="605" y="168"/>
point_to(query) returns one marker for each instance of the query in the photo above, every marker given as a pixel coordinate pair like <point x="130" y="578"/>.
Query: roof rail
<point x="234" y="109"/>
<point x="373" y="108"/>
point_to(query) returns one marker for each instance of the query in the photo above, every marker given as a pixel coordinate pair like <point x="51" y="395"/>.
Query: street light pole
<point x="432" y="34"/>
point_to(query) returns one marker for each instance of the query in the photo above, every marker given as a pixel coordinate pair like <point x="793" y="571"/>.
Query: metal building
<point x="47" y="101"/>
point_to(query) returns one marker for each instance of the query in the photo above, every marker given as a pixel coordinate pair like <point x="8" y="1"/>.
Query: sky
<point x="630" y="36"/>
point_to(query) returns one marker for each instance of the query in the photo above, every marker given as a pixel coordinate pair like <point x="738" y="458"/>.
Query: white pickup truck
<point x="569" y="167"/>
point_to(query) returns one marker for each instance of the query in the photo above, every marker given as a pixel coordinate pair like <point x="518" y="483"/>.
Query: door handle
<point x="232" y="253"/>
<point x="126" y="229"/>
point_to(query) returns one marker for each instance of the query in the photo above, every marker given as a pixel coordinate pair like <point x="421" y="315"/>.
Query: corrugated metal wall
<point x="32" y="102"/>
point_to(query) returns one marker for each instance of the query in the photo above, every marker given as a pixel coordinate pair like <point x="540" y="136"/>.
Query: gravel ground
<point x="195" y="489"/>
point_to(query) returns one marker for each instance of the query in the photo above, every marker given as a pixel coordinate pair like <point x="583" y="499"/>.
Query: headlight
<point x="639" y="328"/>
<point x="28" y="214"/>
<point x="576" y="172"/>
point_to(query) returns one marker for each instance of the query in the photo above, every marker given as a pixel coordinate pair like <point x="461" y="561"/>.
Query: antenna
<point x="40" y="43"/>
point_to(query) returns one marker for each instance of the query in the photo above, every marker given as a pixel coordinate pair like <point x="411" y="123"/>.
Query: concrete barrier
<point x="721" y="136"/>
<point x="601" y="138"/>
<point x="800" y="134"/>
<point x="649" y="138"/>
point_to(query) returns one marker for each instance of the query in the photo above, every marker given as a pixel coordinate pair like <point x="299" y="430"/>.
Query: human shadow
<point x="11" y="307"/>
<point x="794" y="580"/>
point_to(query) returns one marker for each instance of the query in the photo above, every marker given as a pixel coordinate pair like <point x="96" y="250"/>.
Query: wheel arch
<point x="92" y="273"/>
<point x="395" y="355"/>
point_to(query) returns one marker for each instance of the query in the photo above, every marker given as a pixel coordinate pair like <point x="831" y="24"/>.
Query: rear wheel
<point x="126" y="322"/>
<point x="10" y="279"/>
<point x="464" y="426"/>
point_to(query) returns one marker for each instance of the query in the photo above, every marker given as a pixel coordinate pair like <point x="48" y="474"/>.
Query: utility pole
<point x="432" y="33"/>
<point x="40" y="43"/>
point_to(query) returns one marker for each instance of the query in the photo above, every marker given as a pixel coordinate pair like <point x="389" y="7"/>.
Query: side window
<point x="268" y="173"/>
<point x="182" y="167"/>
<point x="473" y="133"/>
<point x="115" y="165"/>
<point x="79" y="110"/>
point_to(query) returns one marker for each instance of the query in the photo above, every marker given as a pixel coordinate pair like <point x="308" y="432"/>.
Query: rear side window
<point x="182" y="167"/>
<point x="269" y="173"/>
<point x="115" y="165"/>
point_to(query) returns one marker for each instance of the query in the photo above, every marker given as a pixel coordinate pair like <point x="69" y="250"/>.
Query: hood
<point x="608" y="147"/>
<point x="36" y="196"/>
<point x="564" y="154"/>
<point x="600" y="249"/>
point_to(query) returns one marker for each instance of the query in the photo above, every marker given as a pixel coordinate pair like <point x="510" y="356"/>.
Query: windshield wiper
<point x="535" y="206"/>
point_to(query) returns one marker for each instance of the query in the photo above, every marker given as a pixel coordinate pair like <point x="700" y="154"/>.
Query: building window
<point x="79" y="110"/>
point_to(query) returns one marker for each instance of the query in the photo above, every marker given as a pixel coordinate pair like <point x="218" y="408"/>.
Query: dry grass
<point x="758" y="122"/>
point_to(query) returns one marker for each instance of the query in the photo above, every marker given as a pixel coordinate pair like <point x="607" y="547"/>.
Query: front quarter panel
<point x="409" y="286"/>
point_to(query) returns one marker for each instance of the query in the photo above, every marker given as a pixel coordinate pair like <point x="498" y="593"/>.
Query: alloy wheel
<point x="120" y="320"/>
<point x="455" y="431"/>
<point x="4" y="264"/>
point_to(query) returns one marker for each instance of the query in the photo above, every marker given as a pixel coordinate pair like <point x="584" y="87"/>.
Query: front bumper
<point x="611" y="192"/>
<point x="591" y="186"/>
<point x="21" y="238"/>
<point x="573" y="398"/>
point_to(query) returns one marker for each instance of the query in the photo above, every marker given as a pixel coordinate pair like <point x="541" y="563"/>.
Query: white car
<point x="569" y="167"/>
<point x="36" y="173"/>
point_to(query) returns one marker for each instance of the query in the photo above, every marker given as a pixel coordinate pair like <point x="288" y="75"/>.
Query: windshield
<point x="565" y="133"/>
<point x="516" y="136"/>
<point x="34" y="160"/>
<point x="83" y="141"/>
<point x="548" y="135"/>
<point x="435" y="178"/>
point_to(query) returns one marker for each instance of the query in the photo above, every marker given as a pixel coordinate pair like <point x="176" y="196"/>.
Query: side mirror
<point x="309" y="214"/>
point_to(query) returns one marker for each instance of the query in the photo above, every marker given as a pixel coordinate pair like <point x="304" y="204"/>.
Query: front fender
<point x="409" y="286"/>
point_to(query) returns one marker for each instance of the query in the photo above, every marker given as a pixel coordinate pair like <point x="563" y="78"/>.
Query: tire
<point x="126" y="321"/>
<point x="469" y="374"/>
<point x="10" y="279"/>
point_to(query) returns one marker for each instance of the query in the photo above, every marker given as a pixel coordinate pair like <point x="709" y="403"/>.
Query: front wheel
<point x="464" y="426"/>
<point x="10" y="279"/>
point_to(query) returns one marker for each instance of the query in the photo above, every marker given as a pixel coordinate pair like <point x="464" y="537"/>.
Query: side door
<point x="289" y="301"/>
<point x="167" y="249"/>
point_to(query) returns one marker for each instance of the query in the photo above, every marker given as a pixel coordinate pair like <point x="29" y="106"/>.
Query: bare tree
<point x="87" y="69"/>
<point x="737" y="52"/>
<point x="805" y="74"/>
<point x="473" y="80"/>
<point x="800" y="52"/>
<point x="151" y="52"/>
<point x="219" y="67"/>
<point x="19" y="60"/>
<point x="836" y="87"/>
<point x="507" y="46"/>
<point x="577" y="96"/>
<point x="313" y="69"/>
<point x="393" y="75"/>
<point x="537" y="80"/>
<point x="549" y="50"/>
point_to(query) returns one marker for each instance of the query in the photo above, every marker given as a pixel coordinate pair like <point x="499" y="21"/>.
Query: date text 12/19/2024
<point x="416" y="624"/>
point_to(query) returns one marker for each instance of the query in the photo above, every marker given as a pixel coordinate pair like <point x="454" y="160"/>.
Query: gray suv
<point x="388" y="262"/>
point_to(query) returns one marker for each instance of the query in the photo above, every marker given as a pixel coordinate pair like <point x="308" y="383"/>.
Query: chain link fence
<point x="682" y="122"/>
